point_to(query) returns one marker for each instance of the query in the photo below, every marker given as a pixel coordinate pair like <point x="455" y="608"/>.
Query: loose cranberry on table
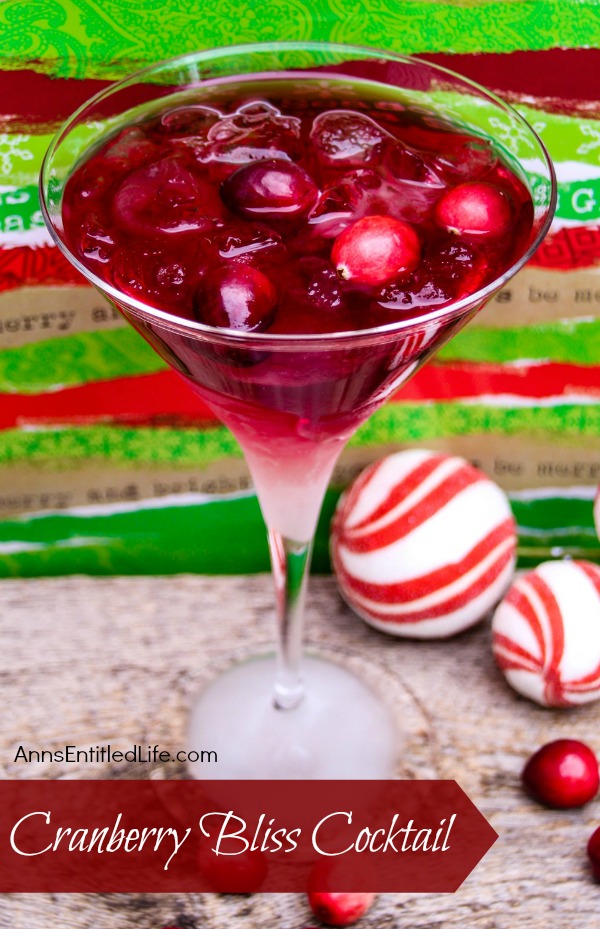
<point x="562" y="774"/>
<point x="339" y="909"/>
<point x="593" y="850"/>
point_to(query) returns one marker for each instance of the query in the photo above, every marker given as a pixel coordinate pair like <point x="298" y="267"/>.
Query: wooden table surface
<point x="118" y="660"/>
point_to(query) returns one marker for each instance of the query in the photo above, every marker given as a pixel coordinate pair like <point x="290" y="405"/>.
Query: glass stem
<point x="290" y="562"/>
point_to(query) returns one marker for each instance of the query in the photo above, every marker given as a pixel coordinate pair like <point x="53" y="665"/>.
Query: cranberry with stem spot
<point x="270" y="189"/>
<point x="562" y="774"/>
<point x="376" y="249"/>
<point x="475" y="208"/>
<point x="235" y="297"/>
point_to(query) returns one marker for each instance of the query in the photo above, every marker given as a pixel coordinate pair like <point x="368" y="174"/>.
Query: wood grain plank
<point x="91" y="661"/>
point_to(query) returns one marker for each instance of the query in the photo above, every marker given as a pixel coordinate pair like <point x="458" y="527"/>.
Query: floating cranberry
<point x="339" y="909"/>
<point x="165" y="197"/>
<point x="156" y="275"/>
<point x="593" y="850"/>
<point x="474" y="209"/>
<point x="270" y="189"/>
<point x="322" y="285"/>
<point x="453" y="271"/>
<point x="562" y="774"/>
<point x="235" y="297"/>
<point x="376" y="249"/>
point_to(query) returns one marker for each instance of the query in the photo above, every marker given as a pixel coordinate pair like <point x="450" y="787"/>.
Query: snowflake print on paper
<point x="594" y="134"/>
<point x="11" y="149"/>
<point x="514" y="134"/>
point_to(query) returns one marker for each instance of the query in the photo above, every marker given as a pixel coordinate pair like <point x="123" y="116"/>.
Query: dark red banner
<point x="238" y="837"/>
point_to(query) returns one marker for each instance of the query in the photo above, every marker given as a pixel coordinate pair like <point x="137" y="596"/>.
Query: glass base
<point x="340" y="730"/>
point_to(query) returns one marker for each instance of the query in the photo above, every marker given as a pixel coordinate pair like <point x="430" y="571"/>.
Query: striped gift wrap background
<point x="109" y="465"/>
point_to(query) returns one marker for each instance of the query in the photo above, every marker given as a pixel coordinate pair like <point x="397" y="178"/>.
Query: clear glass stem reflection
<point x="291" y="563"/>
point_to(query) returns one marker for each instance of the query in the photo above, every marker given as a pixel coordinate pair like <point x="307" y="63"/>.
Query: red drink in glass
<point x="296" y="228"/>
<point x="239" y="211"/>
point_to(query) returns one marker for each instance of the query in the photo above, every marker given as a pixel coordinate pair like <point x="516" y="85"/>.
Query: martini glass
<point x="292" y="401"/>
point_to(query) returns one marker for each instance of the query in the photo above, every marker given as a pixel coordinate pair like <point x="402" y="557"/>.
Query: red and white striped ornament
<point x="423" y="544"/>
<point x="546" y="634"/>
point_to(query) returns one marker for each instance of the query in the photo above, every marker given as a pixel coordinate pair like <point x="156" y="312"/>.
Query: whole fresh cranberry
<point x="339" y="909"/>
<point x="376" y="249"/>
<point x="593" y="850"/>
<point x="562" y="774"/>
<point x="166" y="198"/>
<point x="322" y="287"/>
<point x="475" y="208"/>
<point x="235" y="297"/>
<point x="162" y="276"/>
<point x="271" y="189"/>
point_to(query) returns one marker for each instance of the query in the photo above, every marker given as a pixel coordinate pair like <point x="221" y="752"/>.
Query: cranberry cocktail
<point x="295" y="229"/>
<point x="291" y="211"/>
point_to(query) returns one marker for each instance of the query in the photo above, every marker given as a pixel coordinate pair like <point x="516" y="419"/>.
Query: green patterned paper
<point x="170" y="538"/>
<point x="189" y="447"/>
<point x="67" y="361"/>
<point x="86" y="39"/>
<point x="83" y="38"/>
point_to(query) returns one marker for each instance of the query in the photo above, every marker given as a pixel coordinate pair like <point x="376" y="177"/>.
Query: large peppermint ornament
<point x="423" y="544"/>
<point x="546" y="634"/>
